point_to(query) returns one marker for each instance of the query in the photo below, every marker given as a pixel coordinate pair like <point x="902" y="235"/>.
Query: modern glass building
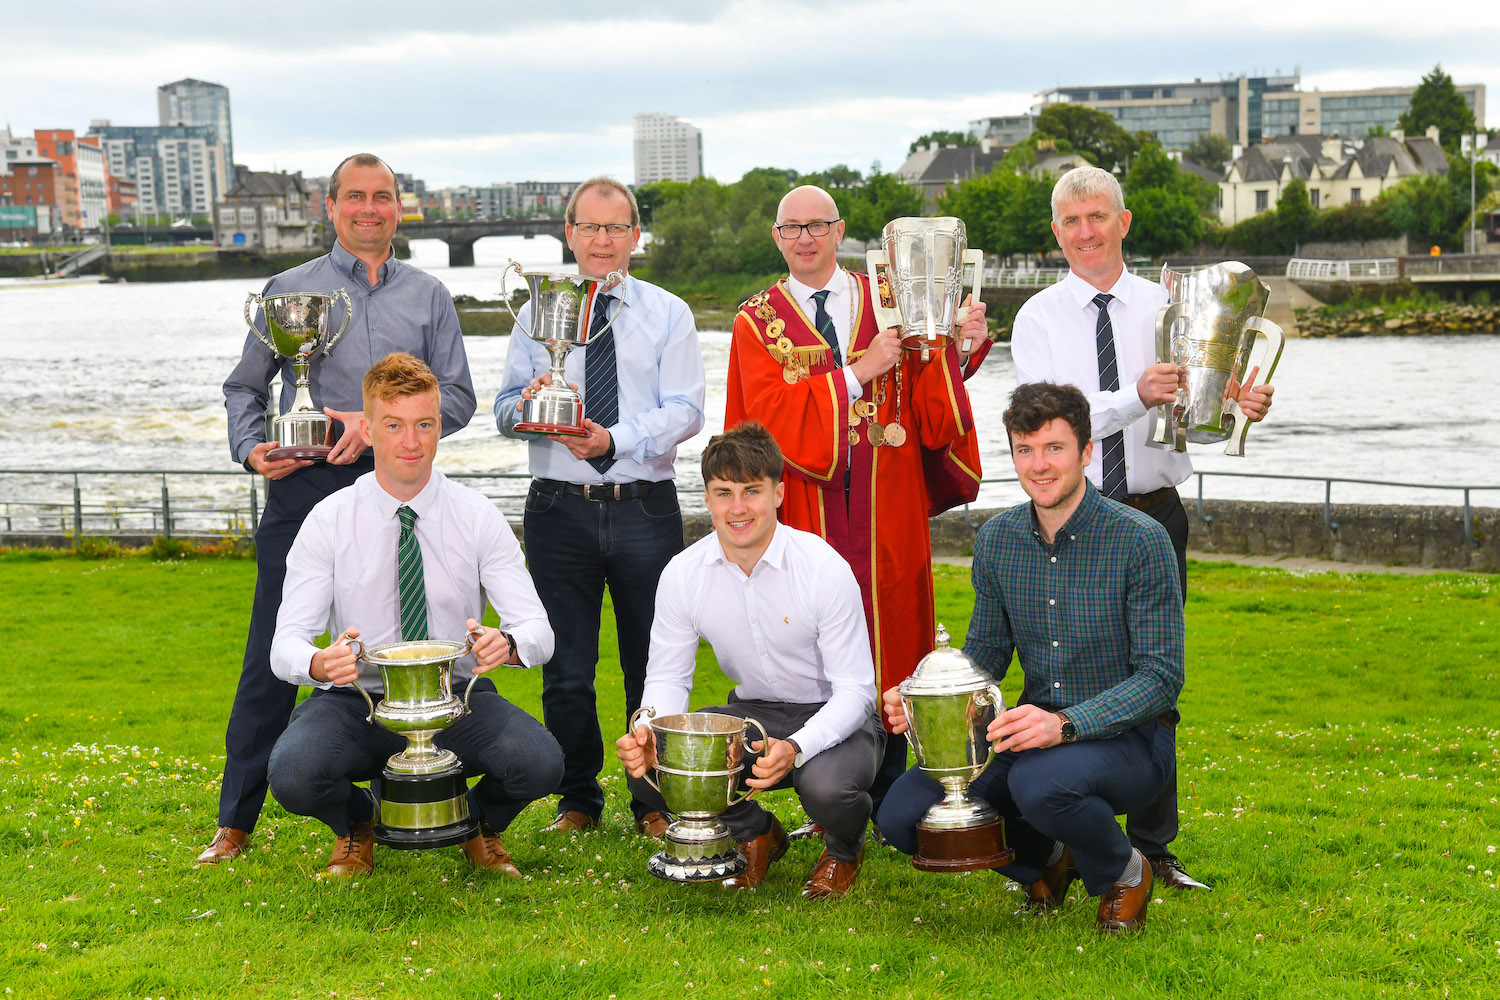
<point x="198" y="102"/>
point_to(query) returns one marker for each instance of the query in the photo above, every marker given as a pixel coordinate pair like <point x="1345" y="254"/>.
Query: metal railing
<point x="1039" y="277"/>
<point x="1372" y="270"/>
<point x="1476" y="266"/>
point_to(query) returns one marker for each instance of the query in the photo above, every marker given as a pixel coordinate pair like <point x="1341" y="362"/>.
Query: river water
<point x="128" y="377"/>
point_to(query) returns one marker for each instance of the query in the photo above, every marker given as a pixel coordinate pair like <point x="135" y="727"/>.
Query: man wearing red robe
<point x="876" y="439"/>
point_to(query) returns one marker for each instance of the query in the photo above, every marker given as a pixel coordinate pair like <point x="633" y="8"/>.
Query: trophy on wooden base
<point x="296" y="324"/>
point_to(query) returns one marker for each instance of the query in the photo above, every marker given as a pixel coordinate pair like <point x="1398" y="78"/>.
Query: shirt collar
<point x="837" y="287"/>
<point x="1083" y="293"/>
<point x="1081" y="516"/>
<point x="774" y="556"/>
<point x="347" y="263"/>
<point x="422" y="503"/>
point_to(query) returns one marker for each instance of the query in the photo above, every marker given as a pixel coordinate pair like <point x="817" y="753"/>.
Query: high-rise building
<point x="667" y="149"/>
<point x="198" y="102"/>
<point x="178" y="170"/>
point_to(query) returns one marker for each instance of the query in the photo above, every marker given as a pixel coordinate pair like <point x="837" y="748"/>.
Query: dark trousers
<point x="328" y="746"/>
<point x="1153" y="826"/>
<point x="1069" y="793"/>
<point x="892" y="766"/>
<point x="834" y="786"/>
<point x="262" y="702"/>
<point x="575" y="548"/>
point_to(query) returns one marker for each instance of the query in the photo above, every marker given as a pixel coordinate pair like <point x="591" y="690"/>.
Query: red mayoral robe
<point x="782" y="374"/>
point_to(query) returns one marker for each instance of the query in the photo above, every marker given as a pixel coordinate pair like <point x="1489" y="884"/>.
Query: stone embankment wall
<point x="1451" y="318"/>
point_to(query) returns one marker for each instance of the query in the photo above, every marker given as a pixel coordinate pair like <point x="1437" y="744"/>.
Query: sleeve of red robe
<point x="945" y="428"/>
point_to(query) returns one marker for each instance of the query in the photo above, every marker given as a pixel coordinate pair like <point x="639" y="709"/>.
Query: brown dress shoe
<point x="653" y="824"/>
<point x="228" y="844"/>
<point x="759" y="853"/>
<point x="354" y="854"/>
<point x="571" y="821"/>
<point x="1048" y="892"/>
<point x="807" y="831"/>
<point x="1124" y="907"/>
<point x="832" y="878"/>
<point x="484" y="850"/>
<point x="1169" y="873"/>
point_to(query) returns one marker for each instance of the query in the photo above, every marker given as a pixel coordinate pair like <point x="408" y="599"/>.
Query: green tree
<point x="1093" y="133"/>
<point x="1437" y="102"/>
<point x="1168" y="205"/>
<point x="1004" y="212"/>
<point x="942" y="138"/>
<point x="1209" y="150"/>
<point x="882" y="197"/>
<point x="1295" y="216"/>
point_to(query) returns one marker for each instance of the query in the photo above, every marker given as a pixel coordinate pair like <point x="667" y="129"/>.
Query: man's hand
<point x="1159" y="383"/>
<point x="490" y="649"/>
<point x="880" y="357"/>
<point x="637" y="751"/>
<point x="273" y="470"/>
<point x="540" y="382"/>
<point x="336" y="664"/>
<point x="895" y="712"/>
<point x="595" y="444"/>
<point x="973" y="327"/>
<point x="350" y="444"/>
<point x="1254" y="400"/>
<point x="1025" y="727"/>
<point x="774" y="764"/>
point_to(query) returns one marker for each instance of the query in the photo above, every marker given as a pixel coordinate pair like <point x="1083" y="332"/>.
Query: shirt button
<point x="1054" y="558"/>
<point x="1054" y="643"/>
<point x="1057" y="684"/>
<point x="1052" y="600"/>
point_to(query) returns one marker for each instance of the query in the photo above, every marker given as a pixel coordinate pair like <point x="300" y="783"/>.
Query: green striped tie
<point x="409" y="584"/>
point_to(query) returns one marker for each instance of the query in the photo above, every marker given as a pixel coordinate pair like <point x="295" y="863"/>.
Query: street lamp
<point x="1471" y="143"/>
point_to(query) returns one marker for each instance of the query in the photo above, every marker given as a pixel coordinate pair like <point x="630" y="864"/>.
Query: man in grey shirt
<point x="396" y="307"/>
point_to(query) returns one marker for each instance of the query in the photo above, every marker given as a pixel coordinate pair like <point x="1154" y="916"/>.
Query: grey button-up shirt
<point x="406" y="310"/>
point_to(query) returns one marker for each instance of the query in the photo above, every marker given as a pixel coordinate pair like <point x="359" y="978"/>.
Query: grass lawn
<point x="1338" y="788"/>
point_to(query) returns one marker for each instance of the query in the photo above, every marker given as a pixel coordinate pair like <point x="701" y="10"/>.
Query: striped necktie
<point x="601" y="376"/>
<point x="1109" y="381"/>
<point x="824" y="323"/>
<point x="409" y="585"/>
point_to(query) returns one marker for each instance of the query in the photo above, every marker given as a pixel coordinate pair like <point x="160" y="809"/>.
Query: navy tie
<point x="601" y="377"/>
<point x="824" y="323"/>
<point x="1109" y="381"/>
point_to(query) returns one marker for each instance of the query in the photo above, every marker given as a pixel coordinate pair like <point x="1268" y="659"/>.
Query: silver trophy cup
<point x="949" y="704"/>
<point x="917" y="280"/>
<point x="1210" y="324"/>
<point x="562" y="308"/>
<point x="699" y="756"/>
<point x="296" y="324"/>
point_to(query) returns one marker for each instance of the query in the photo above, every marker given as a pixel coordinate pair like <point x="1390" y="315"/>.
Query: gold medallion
<point x="854" y="419"/>
<point x="765" y="312"/>
<point x="864" y="408"/>
<point x="853" y="438"/>
<point x="792" y="374"/>
<point x="784" y="345"/>
<point x="775" y="327"/>
<point x="895" y="434"/>
<point x="876" y="434"/>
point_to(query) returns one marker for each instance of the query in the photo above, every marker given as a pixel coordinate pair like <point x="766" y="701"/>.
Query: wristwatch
<point x="510" y="642"/>
<point x="1069" y="731"/>
<point x="799" y="757"/>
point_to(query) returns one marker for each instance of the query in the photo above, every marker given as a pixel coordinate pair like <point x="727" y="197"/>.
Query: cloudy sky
<point x="461" y="92"/>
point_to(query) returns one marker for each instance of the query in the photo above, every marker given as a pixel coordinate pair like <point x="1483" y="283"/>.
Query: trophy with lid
<point x="949" y="704"/>
<point x="296" y="326"/>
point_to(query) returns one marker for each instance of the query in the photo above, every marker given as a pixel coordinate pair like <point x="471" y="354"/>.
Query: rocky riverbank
<point x="1446" y="318"/>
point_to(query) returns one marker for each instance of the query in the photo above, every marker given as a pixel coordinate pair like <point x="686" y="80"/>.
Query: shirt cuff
<point x="856" y="391"/>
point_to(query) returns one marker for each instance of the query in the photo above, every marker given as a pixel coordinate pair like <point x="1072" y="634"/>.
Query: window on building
<point x="1262" y="200"/>
<point x="1312" y="196"/>
<point x="1353" y="195"/>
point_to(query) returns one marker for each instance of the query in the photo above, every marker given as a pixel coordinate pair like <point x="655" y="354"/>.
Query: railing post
<point x="1205" y="518"/>
<point x="166" y="507"/>
<point x="77" y="511"/>
<point x="1328" y="520"/>
<point x="1469" y="519"/>
<point x="254" y="504"/>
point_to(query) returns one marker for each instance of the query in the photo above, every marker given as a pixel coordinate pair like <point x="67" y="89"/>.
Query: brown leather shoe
<point x="653" y="824"/>
<point x="1169" y="874"/>
<point x="1048" y="892"/>
<point x="807" y="831"/>
<point x="354" y="854"/>
<point x="485" y="850"/>
<point x="759" y="853"/>
<point x="228" y="844"/>
<point x="832" y="878"/>
<point x="571" y="821"/>
<point x="1124" y="907"/>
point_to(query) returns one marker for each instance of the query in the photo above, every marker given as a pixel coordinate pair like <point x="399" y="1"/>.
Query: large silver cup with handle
<point x="918" y="279"/>
<point x="699" y="757"/>
<point x="562" y="309"/>
<point x="1211" y="321"/>
<point x="297" y="325"/>
<point x="949" y="703"/>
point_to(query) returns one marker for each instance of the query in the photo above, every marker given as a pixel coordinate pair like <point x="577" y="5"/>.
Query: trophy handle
<point x="885" y="316"/>
<point x="617" y="276"/>
<point x="360" y="657"/>
<point x="1275" y="341"/>
<point x="976" y="258"/>
<point x="988" y="696"/>
<point x="1166" y="435"/>
<point x="635" y="717"/>
<point x="511" y="265"/>
<point x="765" y="744"/>
<point x="348" y="313"/>
<point x="250" y="321"/>
<point x="473" y="634"/>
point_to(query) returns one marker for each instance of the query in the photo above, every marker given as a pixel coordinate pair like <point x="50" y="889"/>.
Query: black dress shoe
<point x="1048" y="892"/>
<point x="1169" y="872"/>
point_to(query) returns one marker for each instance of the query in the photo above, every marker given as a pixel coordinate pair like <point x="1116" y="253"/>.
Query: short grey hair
<point x="571" y="214"/>
<point x="1082" y="183"/>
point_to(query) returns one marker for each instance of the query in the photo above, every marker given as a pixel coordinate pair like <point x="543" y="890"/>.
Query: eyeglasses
<point x="793" y="231"/>
<point x="588" y="230"/>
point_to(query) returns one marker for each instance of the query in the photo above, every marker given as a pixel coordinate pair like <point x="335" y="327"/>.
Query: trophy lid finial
<point x="941" y="637"/>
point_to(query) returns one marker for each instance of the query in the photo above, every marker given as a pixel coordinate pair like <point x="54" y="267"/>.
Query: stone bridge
<point x="461" y="234"/>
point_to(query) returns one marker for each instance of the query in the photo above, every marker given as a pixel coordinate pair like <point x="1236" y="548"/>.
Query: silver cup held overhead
<point x="917" y="280"/>
<point x="296" y="326"/>
<point x="699" y="757"/>
<point x="562" y="309"/>
<point x="1210" y="324"/>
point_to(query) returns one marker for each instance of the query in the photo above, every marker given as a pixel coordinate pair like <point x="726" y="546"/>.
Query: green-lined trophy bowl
<point x="297" y="325"/>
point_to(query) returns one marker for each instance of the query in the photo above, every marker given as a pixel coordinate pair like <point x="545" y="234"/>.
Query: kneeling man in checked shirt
<point x="783" y="612"/>
<point x="1085" y="592"/>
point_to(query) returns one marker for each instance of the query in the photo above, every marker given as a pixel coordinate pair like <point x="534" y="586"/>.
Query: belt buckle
<point x="599" y="492"/>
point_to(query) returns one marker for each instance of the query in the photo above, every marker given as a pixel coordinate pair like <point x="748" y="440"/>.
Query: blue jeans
<point x="575" y="547"/>
<point x="328" y="746"/>
<point x="1070" y="793"/>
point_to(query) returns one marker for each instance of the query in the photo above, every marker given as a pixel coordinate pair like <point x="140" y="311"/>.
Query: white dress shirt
<point x="793" y="631"/>
<point x="842" y="297"/>
<point x="661" y="389"/>
<point x="341" y="573"/>
<point x="1053" y="341"/>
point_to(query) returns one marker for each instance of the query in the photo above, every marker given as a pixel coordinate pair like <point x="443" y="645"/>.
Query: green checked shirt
<point x="1095" y="617"/>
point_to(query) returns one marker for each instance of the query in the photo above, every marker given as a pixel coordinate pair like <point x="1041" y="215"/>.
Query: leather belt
<point x="599" y="492"/>
<point x="1166" y="720"/>
<point x="1144" y="501"/>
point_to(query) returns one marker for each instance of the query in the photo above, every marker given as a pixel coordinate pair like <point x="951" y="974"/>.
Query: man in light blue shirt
<point x="602" y="508"/>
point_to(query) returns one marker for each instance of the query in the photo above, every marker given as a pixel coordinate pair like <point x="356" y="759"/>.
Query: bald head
<point x="810" y="259"/>
<point x="806" y="203"/>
